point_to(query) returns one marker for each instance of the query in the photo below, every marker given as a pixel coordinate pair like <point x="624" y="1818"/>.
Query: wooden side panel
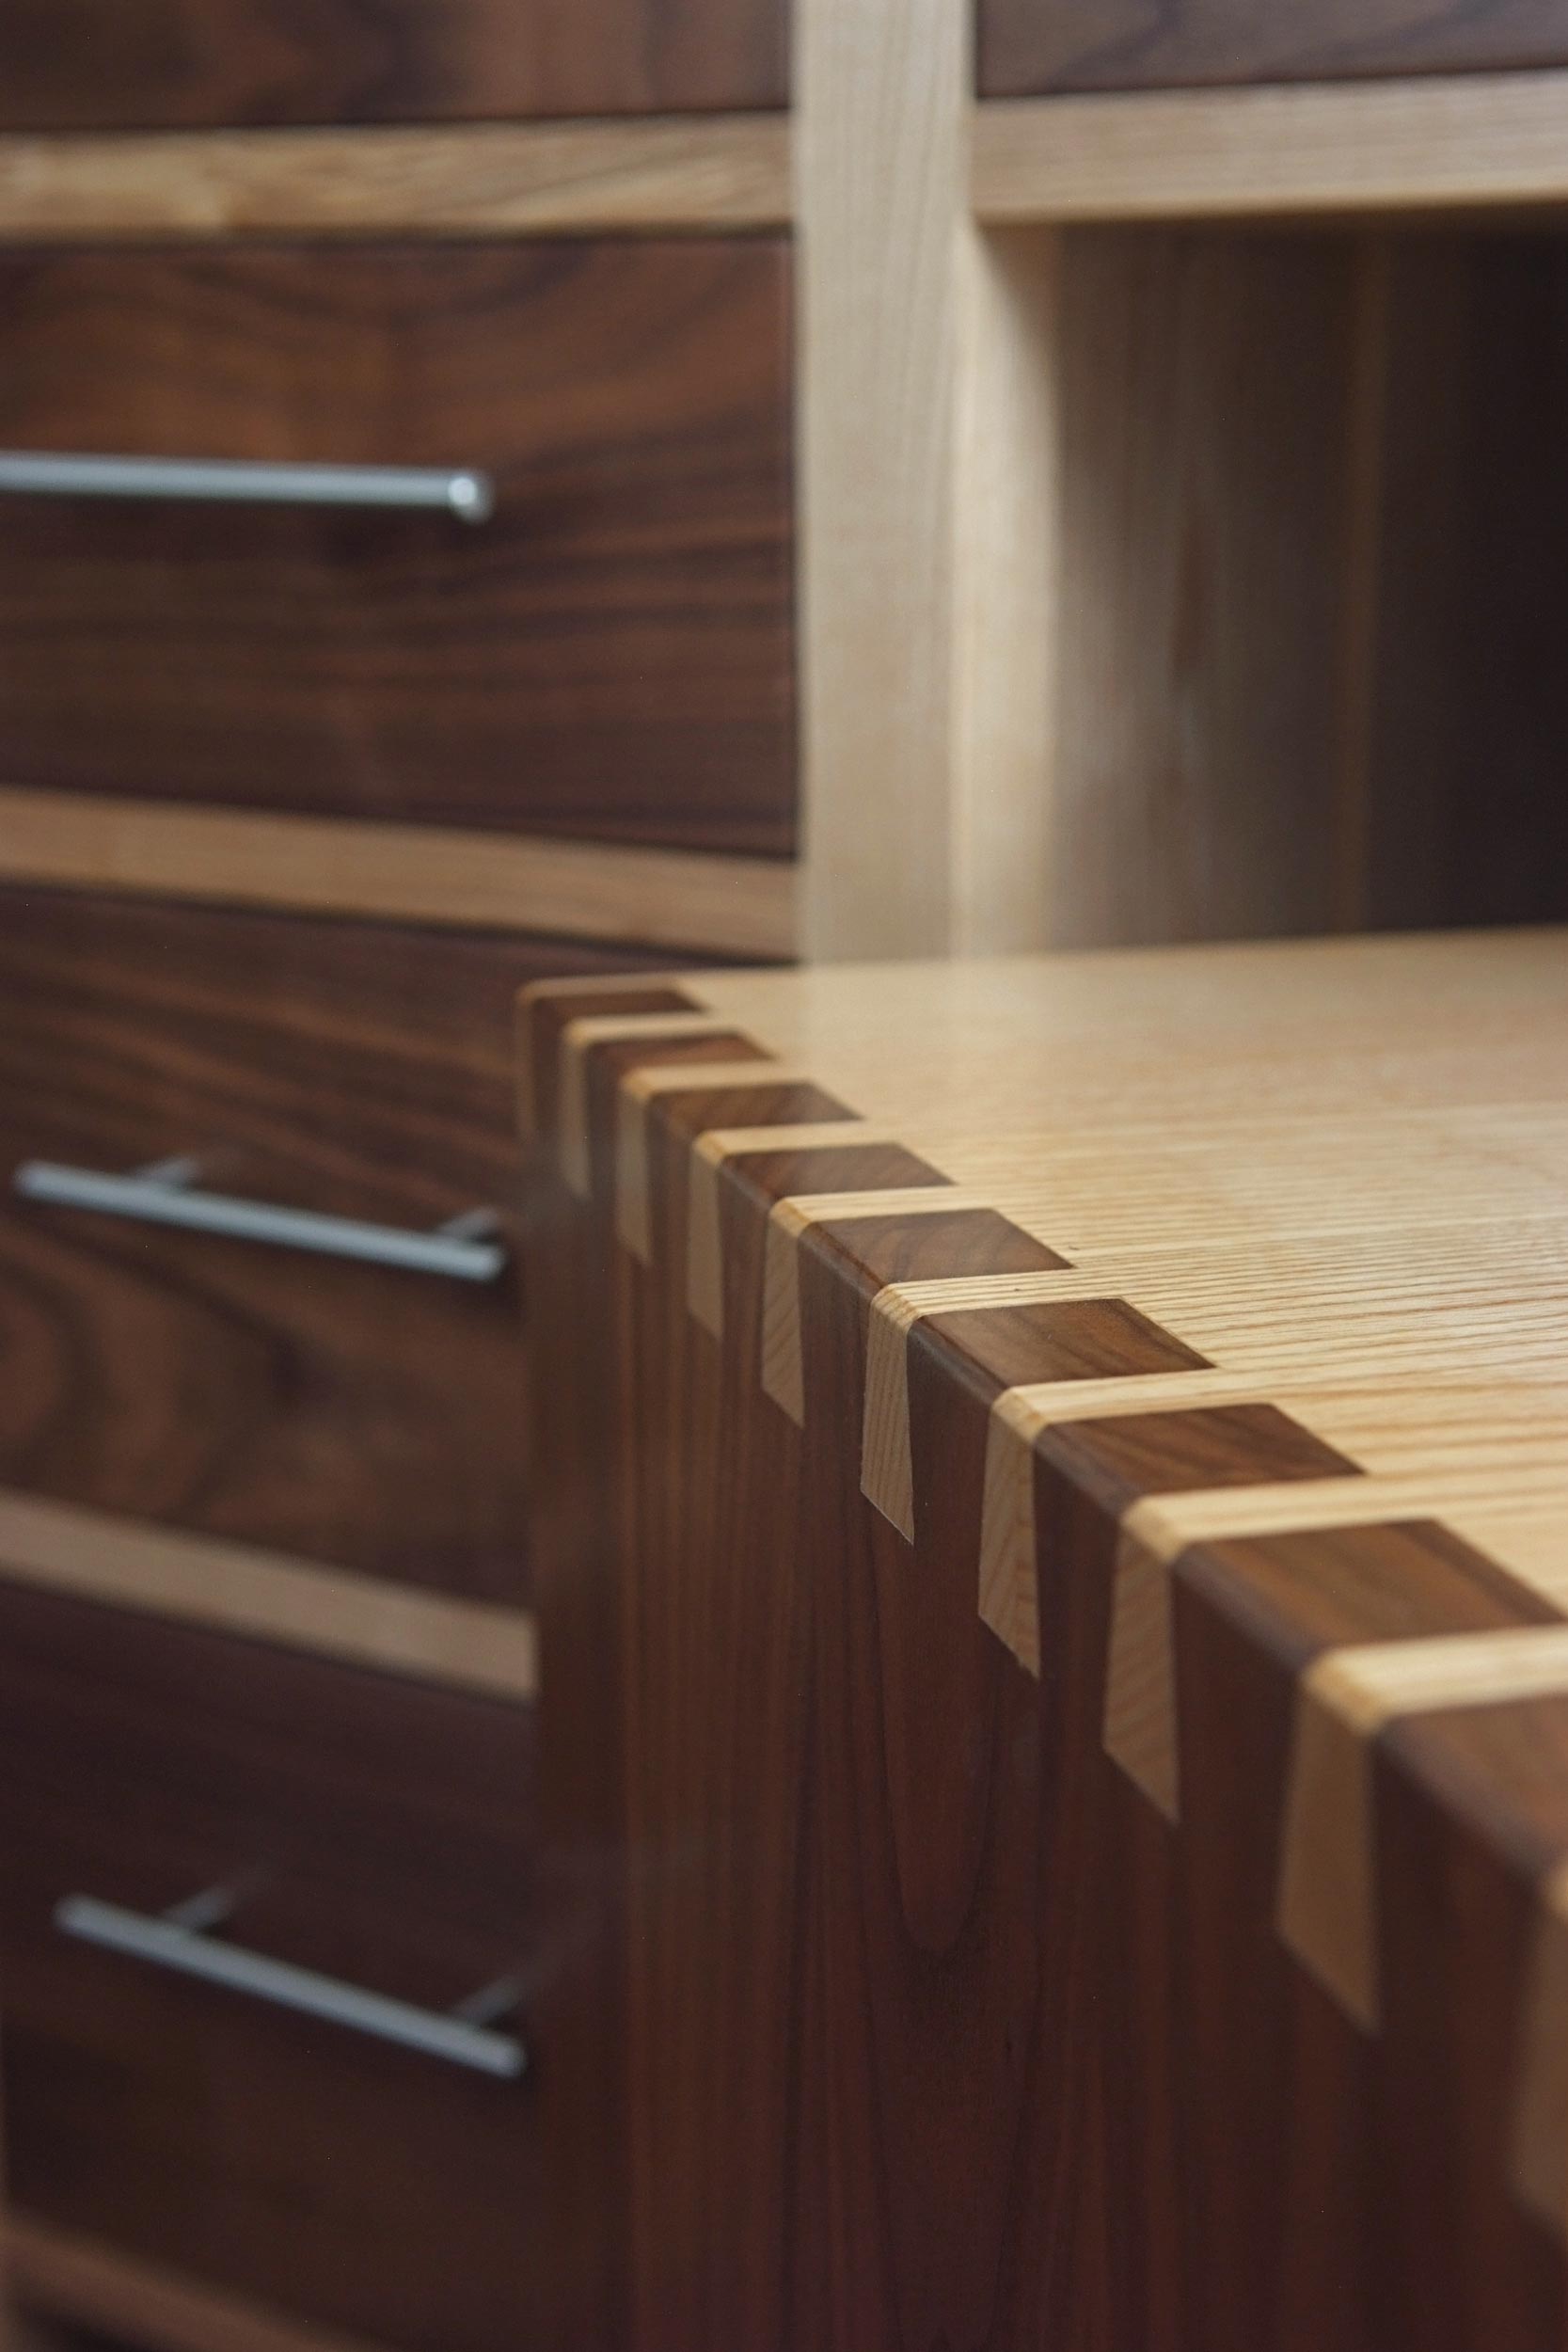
<point x="927" y="483"/>
<point x="608" y="656"/>
<point x="1028" y="46"/>
<point x="184" y="64"/>
<point x="1312" y="516"/>
<point x="1203" y="399"/>
<point x="940" y="2022"/>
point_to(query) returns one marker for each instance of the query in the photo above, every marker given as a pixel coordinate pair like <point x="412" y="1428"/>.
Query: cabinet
<point x="370" y="1834"/>
<point x="342" y="1397"/>
<point x="1062" y="1640"/>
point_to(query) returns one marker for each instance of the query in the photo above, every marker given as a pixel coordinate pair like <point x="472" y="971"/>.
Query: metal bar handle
<point x="464" y="492"/>
<point x="162" y="1195"/>
<point x="168" y="1942"/>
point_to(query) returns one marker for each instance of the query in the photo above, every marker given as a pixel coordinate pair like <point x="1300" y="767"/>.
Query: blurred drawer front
<point x="355" y="1412"/>
<point x="607" y="655"/>
<point x="1038" y="45"/>
<point x="372" y="1834"/>
<point x="127" y="64"/>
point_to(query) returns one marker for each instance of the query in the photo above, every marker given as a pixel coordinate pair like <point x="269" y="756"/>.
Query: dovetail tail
<point x="578" y="1040"/>
<point x="705" y="1253"/>
<point x="572" y="1115"/>
<point x="887" y="1471"/>
<point x="1009" y="1601"/>
<point x="705" y="1246"/>
<point x="639" y="1090"/>
<point x="1140" y="1732"/>
<point x="1325" y="1913"/>
<point x="783" y="1365"/>
<point x="575" y="998"/>
<point x="1327" y="1898"/>
<point x="633" y="1210"/>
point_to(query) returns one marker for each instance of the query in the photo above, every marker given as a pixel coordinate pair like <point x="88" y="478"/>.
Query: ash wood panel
<point x="346" y="1415"/>
<point x="1139" y="1909"/>
<point x="1417" y="145"/>
<point x="269" y="1597"/>
<point x="411" y="873"/>
<point x="386" y="1826"/>
<point x="1028" y="45"/>
<point x="1204" y="393"/>
<point x="124" y="65"/>
<point x="718" y="172"/>
<point x="927" y="482"/>
<point x="610" y="656"/>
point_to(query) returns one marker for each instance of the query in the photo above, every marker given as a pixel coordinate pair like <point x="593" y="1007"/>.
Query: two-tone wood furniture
<point x="490" y="491"/>
<point x="1053" y="1594"/>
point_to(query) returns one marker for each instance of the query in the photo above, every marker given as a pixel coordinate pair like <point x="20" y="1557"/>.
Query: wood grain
<point x="1029" y="45"/>
<point x="269" y="1597"/>
<point x="76" y="2281"/>
<point x="387" y="1824"/>
<point x="1235" y="1360"/>
<point x="608" y="657"/>
<point x="127" y="64"/>
<point x="343" y="1414"/>
<point x="1417" y="145"/>
<point x="1310" y="523"/>
<point x="1204" y="393"/>
<point x="718" y="172"/>
<point x="411" y="873"/>
<point x="928" y="481"/>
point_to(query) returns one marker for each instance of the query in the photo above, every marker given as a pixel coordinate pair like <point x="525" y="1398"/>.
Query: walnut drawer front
<point x="358" y="1414"/>
<point x="608" y="656"/>
<point x="371" y="1831"/>
<point x="135" y="64"/>
<point x="1038" y="45"/>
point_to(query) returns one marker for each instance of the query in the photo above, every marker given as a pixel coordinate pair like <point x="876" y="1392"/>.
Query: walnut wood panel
<point x="1031" y="46"/>
<point x="608" y="656"/>
<point x="349" y="1414"/>
<point x="1118" y="1899"/>
<point x="386" y="2196"/>
<point x="125" y="64"/>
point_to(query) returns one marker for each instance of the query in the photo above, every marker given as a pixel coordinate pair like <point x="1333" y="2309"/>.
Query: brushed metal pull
<point x="464" y="1250"/>
<point x="38" y="473"/>
<point x="180" y="1939"/>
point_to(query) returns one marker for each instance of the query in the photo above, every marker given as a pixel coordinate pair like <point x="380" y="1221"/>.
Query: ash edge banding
<point x="1108" y="1381"/>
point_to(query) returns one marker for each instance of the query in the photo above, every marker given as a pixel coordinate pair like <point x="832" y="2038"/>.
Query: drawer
<point x="373" y="1833"/>
<point x="130" y="64"/>
<point x="609" y="655"/>
<point x="358" y="1413"/>
<point x="1038" y="45"/>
